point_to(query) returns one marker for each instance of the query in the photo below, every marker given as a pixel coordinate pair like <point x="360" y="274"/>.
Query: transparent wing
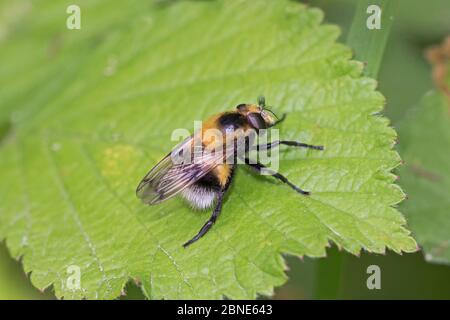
<point x="177" y="171"/>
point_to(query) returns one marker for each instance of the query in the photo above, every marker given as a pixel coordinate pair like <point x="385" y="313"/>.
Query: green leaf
<point x="425" y="138"/>
<point x="97" y="110"/>
<point x="15" y="284"/>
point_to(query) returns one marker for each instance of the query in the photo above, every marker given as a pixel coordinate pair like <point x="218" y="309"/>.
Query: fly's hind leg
<point x="218" y="208"/>
<point x="260" y="168"/>
<point x="210" y="221"/>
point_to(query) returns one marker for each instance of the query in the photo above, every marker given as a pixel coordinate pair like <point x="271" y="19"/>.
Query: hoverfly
<point x="203" y="179"/>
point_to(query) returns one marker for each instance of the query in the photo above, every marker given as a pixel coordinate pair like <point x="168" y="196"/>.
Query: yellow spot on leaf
<point x="119" y="160"/>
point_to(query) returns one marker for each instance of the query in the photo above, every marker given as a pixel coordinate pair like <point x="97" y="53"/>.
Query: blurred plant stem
<point x="368" y="46"/>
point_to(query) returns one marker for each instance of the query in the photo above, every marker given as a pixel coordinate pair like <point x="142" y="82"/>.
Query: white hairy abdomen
<point x="199" y="197"/>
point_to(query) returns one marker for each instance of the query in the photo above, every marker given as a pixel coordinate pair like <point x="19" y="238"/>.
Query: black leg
<point x="280" y="120"/>
<point x="210" y="222"/>
<point x="287" y="143"/>
<point x="260" y="167"/>
<point x="207" y="226"/>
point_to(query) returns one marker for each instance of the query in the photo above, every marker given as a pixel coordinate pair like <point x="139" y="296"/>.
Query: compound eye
<point x="256" y="120"/>
<point x="241" y="106"/>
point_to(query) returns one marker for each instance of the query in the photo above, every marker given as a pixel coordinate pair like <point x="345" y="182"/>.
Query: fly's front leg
<point x="280" y="120"/>
<point x="287" y="143"/>
<point x="260" y="168"/>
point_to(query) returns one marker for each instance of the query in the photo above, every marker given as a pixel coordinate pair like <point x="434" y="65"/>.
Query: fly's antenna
<point x="262" y="105"/>
<point x="273" y="113"/>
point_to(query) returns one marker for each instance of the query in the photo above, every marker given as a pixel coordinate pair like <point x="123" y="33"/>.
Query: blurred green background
<point x="404" y="77"/>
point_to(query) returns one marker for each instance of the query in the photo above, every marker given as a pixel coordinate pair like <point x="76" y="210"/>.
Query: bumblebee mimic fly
<point x="201" y="168"/>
